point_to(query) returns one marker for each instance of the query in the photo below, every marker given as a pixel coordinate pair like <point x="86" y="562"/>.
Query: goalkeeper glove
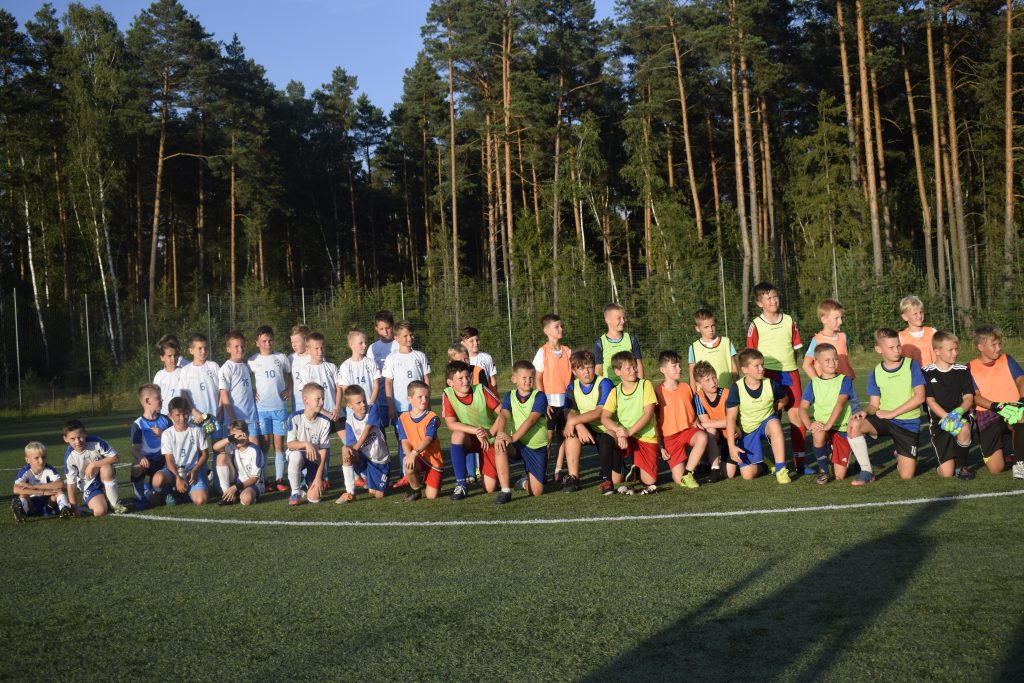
<point x="208" y="424"/>
<point x="1011" y="412"/>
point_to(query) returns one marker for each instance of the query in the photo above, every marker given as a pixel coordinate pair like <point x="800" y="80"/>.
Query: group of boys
<point x="231" y="414"/>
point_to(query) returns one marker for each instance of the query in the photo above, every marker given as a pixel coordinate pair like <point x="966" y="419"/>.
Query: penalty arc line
<point x="574" y="520"/>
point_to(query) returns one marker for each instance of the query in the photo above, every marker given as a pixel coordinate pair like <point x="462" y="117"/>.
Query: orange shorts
<point x="676" y="445"/>
<point x="644" y="454"/>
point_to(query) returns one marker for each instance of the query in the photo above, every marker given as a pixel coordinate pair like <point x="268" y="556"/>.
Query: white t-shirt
<point x="26" y="477"/>
<point x="554" y="400"/>
<point x="316" y="432"/>
<point x="484" y="360"/>
<point x="403" y="369"/>
<point x="75" y="462"/>
<point x="184" y="446"/>
<point x="270" y="374"/>
<point x="249" y="462"/>
<point x="375" y="448"/>
<point x="378" y="353"/>
<point x="236" y="379"/>
<point x="296" y="363"/>
<point x="326" y="375"/>
<point x="170" y="386"/>
<point x="362" y="372"/>
<point x="202" y="386"/>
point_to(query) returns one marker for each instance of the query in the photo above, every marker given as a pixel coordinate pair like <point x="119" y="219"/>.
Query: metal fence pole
<point x="145" y="324"/>
<point x="88" y="351"/>
<point x="401" y="292"/>
<point x="835" y="275"/>
<point x="209" y="322"/>
<point x="508" y="311"/>
<point x="725" y="306"/>
<point x="949" y="268"/>
<point x="303" y="305"/>
<point x="17" y="347"/>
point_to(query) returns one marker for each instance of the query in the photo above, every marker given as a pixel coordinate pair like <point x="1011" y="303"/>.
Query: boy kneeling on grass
<point x="241" y="466"/>
<point x="417" y="431"/>
<point x="521" y="411"/>
<point x="38" y="489"/>
<point x="309" y="437"/>
<point x="754" y="404"/>
<point x="365" y="452"/>
<point x="629" y="416"/>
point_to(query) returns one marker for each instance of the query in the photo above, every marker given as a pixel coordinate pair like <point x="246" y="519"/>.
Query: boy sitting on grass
<point x="585" y="400"/>
<point x="710" y="405"/>
<point x="38" y="489"/>
<point x="754" y="404"/>
<point x="629" y="417"/>
<point x="309" y="437"/>
<point x="365" y="452"/>
<point x="241" y="466"/>
<point x="523" y="410"/>
<point x="184" y="447"/>
<point x="417" y="430"/>
<point x="677" y="423"/>
<point x="89" y="469"/>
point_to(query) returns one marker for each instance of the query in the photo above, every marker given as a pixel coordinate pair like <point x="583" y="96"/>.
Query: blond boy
<point x="38" y="489"/>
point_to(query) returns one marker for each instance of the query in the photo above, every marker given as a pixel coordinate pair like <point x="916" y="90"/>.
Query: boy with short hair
<point x="830" y="313"/>
<point x="711" y="348"/>
<point x="89" y="469"/>
<point x="384" y="327"/>
<point x="401" y="367"/>
<point x="775" y="335"/>
<point x="470" y="412"/>
<point x="554" y="372"/>
<point x="234" y="380"/>
<point x="831" y="393"/>
<point x="38" y="489"/>
<point x="522" y="410"/>
<point x="998" y="380"/>
<point x="184" y="448"/>
<point x="753" y="405"/>
<point x="417" y="428"/>
<point x="585" y="399"/>
<point x="365" y="452"/>
<point x="614" y="340"/>
<point x="168" y="378"/>
<point x="273" y="385"/>
<point x="709" y="403"/>
<point x="470" y="337"/>
<point x="147" y="457"/>
<point x="629" y="417"/>
<point x="319" y="370"/>
<point x="895" y="394"/>
<point x="296" y="360"/>
<point x="309" y="438"/>
<point x="949" y="395"/>
<point x="677" y="423"/>
<point x="200" y="384"/>
<point x="916" y="339"/>
<point x="458" y="351"/>
<point x="241" y="466"/>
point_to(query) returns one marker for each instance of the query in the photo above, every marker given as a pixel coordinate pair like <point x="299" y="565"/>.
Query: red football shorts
<point x="644" y="454"/>
<point x="676" y="445"/>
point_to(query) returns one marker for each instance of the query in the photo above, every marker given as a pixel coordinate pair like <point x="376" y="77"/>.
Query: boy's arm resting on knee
<point x="730" y="429"/>
<point x="297" y="445"/>
<point x="805" y="416"/>
<point x="454" y="425"/>
<point x="610" y="424"/>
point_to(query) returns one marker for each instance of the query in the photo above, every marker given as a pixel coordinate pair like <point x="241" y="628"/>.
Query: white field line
<point x="573" y="520"/>
<point x="18" y="469"/>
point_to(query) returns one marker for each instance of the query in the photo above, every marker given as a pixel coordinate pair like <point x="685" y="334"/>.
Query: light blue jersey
<point x="270" y="374"/>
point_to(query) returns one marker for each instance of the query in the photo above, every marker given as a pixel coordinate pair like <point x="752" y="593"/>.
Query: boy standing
<point x="916" y="339"/>
<point x="235" y="384"/>
<point x="296" y="360"/>
<point x="629" y="417"/>
<point x="554" y="372"/>
<point x="616" y="339"/>
<point x="147" y="457"/>
<point x="168" y="378"/>
<point x="184" y="448"/>
<point x="273" y="386"/>
<point x="324" y="373"/>
<point x="754" y="404"/>
<point x="241" y="466"/>
<point x="830" y="313"/>
<point x="417" y="429"/>
<point x="470" y="412"/>
<point x="403" y="366"/>
<point x="585" y="398"/>
<point x="365" y="452"/>
<point x="522" y="411"/>
<point x="470" y="337"/>
<point x="774" y="334"/>
<point x="895" y="394"/>
<point x="949" y="395"/>
<point x="998" y="379"/>
<point x="89" y="469"/>
<point x="200" y="383"/>
<point x="713" y="349"/>
<point x="458" y="351"/>
<point x="677" y="423"/>
<point x="309" y="438"/>
<point x="709" y="403"/>
<point x="38" y="489"/>
<point x="383" y="326"/>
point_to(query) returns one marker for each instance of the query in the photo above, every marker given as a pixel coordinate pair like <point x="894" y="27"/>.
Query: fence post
<point x="949" y="269"/>
<point x="209" y="322"/>
<point x="401" y="292"/>
<point x="303" y="305"/>
<point x="145" y="323"/>
<point x="17" y="347"/>
<point x="88" y="351"/>
<point x="508" y="312"/>
<point x="725" y="307"/>
<point x="835" y="275"/>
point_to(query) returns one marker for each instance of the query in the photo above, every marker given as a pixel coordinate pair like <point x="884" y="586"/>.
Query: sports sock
<point x="821" y="455"/>
<point x="62" y="501"/>
<point x="797" y="437"/>
<point x="110" y="488"/>
<point x="859" y="446"/>
<point x="472" y="464"/>
<point x="506" y="490"/>
<point x="960" y="455"/>
<point x="779" y="466"/>
<point x="458" y="455"/>
<point x="280" y="468"/>
<point x="24" y="504"/>
<point x="224" y="477"/>
<point x="349" y="473"/>
<point x="295" y="471"/>
<point x="139" y="487"/>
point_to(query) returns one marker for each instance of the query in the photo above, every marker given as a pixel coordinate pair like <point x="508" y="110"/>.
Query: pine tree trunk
<point x="555" y="211"/>
<point x="869" y="157"/>
<point x="737" y="149"/>
<point x="232" y="227"/>
<point x="922" y="190"/>
<point x="768" y="184"/>
<point x="492" y="254"/>
<point x="960" y="251"/>
<point x="940" y="220"/>
<point x="1009" y="233"/>
<point x="883" y="183"/>
<point x="36" y="300"/>
<point x="669" y="164"/>
<point x="698" y="218"/>
<point x="454" y="184"/>
<point x="201" y="208"/>
<point x="357" y="264"/>
<point x="851" y="124"/>
<point x="506" y="87"/>
<point x="748" y="130"/>
<point x="714" y="184"/>
<point x="62" y="217"/>
<point x="155" y="235"/>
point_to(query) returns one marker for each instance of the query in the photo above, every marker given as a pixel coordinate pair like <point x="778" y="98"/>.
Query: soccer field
<point x="737" y="580"/>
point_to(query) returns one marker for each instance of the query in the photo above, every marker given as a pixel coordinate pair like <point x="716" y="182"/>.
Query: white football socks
<point x="350" y="478"/>
<point x="859" y="446"/>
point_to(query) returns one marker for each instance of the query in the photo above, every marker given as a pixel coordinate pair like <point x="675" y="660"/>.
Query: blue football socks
<point x="458" y="455"/>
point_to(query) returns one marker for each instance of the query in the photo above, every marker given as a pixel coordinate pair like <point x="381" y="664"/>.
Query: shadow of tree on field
<point x="798" y="630"/>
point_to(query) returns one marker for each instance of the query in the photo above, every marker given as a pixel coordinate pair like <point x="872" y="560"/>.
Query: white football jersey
<point x="326" y="375"/>
<point x="170" y="386"/>
<point x="375" y="448"/>
<point x="249" y="462"/>
<point x="403" y="369"/>
<point x="316" y="432"/>
<point x="271" y="378"/>
<point x="183" y="446"/>
<point x="200" y="383"/>
<point x="484" y="360"/>
<point x="75" y="462"/>
<point x="26" y="477"/>
<point x="235" y="378"/>
<point x="362" y="372"/>
<point x="378" y="353"/>
<point x="296" y="363"/>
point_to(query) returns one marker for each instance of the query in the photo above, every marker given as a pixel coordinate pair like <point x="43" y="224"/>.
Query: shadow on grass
<point x="797" y="631"/>
<point x="1013" y="665"/>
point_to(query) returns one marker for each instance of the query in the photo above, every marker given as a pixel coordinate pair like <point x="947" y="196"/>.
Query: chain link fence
<point x="86" y="365"/>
